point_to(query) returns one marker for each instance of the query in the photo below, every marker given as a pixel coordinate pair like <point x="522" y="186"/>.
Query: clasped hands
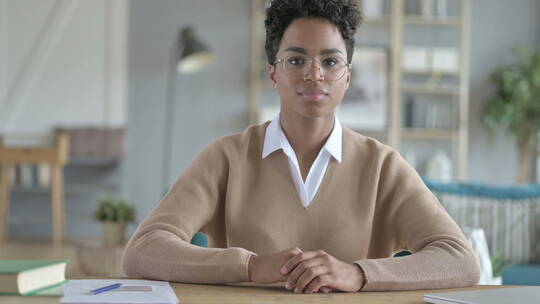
<point x="309" y="272"/>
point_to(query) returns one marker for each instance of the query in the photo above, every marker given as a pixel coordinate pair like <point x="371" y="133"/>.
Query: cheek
<point x="285" y="87"/>
<point x="338" y="90"/>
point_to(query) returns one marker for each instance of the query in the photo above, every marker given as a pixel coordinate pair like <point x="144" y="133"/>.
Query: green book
<point x="27" y="277"/>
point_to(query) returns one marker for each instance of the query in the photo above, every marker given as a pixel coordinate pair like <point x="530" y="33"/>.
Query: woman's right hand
<point x="266" y="268"/>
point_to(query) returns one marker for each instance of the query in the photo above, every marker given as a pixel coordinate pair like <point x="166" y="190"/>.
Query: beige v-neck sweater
<point x="368" y="207"/>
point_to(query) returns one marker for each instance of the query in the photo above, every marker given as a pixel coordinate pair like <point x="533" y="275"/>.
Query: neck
<point x="307" y="135"/>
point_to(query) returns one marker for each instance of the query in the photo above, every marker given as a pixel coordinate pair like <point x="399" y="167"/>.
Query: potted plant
<point x="516" y="106"/>
<point x="114" y="214"/>
<point x="498" y="265"/>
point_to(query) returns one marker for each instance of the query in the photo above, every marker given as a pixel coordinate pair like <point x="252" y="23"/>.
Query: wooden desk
<point x="249" y="293"/>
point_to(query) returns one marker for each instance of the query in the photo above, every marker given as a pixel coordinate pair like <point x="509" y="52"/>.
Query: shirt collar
<point x="333" y="143"/>
<point x="272" y="137"/>
<point x="275" y="139"/>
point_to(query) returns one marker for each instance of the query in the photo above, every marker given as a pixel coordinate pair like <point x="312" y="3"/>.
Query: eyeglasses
<point x="298" y="66"/>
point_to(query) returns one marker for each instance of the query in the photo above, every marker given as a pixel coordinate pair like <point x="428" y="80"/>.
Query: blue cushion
<point x="483" y="190"/>
<point x="522" y="274"/>
<point x="402" y="254"/>
<point x="200" y="239"/>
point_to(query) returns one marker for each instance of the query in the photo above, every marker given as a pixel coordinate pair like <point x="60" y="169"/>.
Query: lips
<point x="313" y="94"/>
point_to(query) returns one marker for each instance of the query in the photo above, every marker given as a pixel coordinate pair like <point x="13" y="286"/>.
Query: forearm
<point x="441" y="264"/>
<point x="162" y="255"/>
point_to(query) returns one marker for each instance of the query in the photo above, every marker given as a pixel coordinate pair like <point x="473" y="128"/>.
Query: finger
<point x="292" y="262"/>
<point x="325" y="289"/>
<point x="300" y="268"/>
<point x="320" y="283"/>
<point x="309" y="275"/>
<point x="294" y="251"/>
<point x="295" y="260"/>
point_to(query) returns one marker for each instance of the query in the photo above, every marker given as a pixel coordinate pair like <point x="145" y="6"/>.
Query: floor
<point x="86" y="257"/>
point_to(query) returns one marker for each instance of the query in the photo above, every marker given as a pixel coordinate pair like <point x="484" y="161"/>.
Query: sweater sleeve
<point x="415" y="220"/>
<point x="160" y="247"/>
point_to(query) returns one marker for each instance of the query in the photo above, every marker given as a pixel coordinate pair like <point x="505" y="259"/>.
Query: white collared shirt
<point x="275" y="139"/>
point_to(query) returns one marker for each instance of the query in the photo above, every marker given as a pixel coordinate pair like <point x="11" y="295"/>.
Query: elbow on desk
<point x="470" y="270"/>
<point x="465" y="267"/>
<point x="475" y="270"/>
<point x="129" y="262"/>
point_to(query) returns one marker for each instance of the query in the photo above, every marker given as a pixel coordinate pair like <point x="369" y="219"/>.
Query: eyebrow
<point x="303" y="51"/>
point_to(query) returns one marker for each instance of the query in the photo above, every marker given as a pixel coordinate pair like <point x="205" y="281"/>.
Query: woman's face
<point x="313" y="95"/>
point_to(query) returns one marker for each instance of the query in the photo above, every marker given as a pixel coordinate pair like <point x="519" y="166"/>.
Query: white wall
<point x="62" y="63"/>
<point x="209" y="104"/>
<point x="497" y="26"/>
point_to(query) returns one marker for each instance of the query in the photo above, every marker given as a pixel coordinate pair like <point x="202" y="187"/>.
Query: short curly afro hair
<point x="344" y="14"/>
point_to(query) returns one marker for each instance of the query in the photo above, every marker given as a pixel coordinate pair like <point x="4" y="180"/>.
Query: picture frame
<point x="365" y="102"/>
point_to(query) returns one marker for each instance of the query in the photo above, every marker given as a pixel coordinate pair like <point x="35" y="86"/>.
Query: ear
<point x="349" y="73"/>
<point x="272" y="74"/>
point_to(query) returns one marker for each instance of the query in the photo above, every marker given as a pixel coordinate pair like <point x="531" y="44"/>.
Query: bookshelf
<point x="56" y="157"/>
<point x="432" y="21"/>
<point x="445" y="90"/>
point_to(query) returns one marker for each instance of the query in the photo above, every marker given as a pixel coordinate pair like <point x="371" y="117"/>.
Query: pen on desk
<point x="105" y="288"/>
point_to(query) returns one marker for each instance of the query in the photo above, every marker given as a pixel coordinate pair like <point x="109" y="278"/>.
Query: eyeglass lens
<point x="331" y="67"/>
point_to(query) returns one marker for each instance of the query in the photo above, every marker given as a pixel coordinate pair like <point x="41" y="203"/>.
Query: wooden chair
<point x="57" y="157"/>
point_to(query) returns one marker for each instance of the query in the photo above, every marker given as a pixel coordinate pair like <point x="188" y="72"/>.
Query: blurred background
<point x="103" y="104"/>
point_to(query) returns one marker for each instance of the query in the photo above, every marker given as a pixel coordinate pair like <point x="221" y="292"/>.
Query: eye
<point x="330" y="62"/>
<point x="296" y="61"/>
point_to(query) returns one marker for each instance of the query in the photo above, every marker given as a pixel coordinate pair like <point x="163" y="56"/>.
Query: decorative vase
<point x="527" y="152"/>
<point x="439" y="167"/>
<point x="372" y="8"/>
<point x="113" y="233"/>
<point x="426" y="8"/>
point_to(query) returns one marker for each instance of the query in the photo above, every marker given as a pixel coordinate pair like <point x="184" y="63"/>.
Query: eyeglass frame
<point x="282" y="60"/>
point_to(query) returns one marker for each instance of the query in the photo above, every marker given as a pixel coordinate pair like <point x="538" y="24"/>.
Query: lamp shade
<point x="194" y="54"/>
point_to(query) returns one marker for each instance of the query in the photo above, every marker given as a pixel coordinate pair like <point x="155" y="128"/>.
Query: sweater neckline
<point x="327" y="177"/>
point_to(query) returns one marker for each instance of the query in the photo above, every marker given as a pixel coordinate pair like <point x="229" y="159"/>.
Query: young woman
<point x="300" y="199"/>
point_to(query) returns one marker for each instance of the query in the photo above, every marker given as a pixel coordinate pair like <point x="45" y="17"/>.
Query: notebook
<point x="25" y="277"/>
<point x="130" y="292"/>
<point x="491" y="296"/>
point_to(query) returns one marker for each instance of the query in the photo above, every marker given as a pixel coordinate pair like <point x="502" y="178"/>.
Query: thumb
<point x="295" y="250"/>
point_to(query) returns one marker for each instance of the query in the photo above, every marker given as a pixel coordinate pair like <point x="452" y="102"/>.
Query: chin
<point x="315" y="112"/>
<point x="315" y="109"/>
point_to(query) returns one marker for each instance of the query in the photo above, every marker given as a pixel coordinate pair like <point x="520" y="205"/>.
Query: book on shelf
<point x="26" y="277"/>
<point x="31" y="175"/>
<point x="95" y="142"/>
<point x="26" y="175"/>
<point x="44" y="175"/>
<point x="35" y="175"/>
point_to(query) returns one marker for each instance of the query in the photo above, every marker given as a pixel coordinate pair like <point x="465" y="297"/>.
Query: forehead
<point x="313" y="35"/>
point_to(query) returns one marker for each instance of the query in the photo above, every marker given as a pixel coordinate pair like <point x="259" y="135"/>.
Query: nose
<point x="314" y="71"/>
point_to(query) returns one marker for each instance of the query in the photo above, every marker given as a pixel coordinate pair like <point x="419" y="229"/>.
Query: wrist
<point x="251" y="267"/>
<point x="362" y="277"/>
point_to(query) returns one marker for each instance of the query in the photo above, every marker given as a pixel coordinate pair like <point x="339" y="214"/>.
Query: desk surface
<point x="250" y="293"/>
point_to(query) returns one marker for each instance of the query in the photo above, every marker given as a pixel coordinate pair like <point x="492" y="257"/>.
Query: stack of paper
<point x="131" y="292"/>
<point x="491" y="296"/>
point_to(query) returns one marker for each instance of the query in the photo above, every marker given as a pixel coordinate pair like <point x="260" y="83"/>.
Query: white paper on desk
<point x="78" y="292"/>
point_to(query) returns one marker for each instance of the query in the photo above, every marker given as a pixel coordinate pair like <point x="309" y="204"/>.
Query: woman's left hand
<point x="312" y="271"/>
